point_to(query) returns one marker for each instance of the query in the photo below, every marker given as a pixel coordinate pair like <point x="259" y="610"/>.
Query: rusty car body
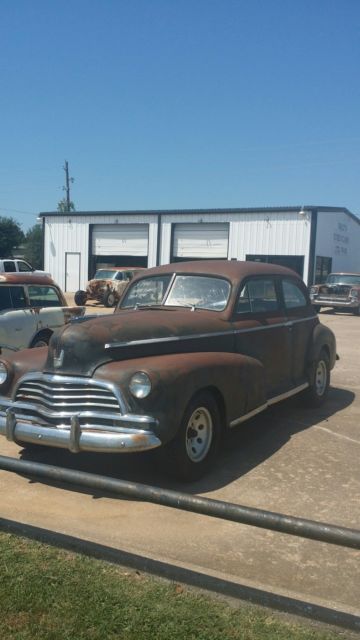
<point x="32" y="306"/>
<point x="340" y="291"/>
<point x="193" y="350"/>
<point x="107" y="285"/>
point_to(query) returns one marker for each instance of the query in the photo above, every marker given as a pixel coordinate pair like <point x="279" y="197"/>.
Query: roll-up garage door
<point x="204" y="241"/>
<point x="120" y="239"/>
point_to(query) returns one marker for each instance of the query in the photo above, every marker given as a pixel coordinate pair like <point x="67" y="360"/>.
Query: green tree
<point x="63" y="206"/>
<point x="11" y="236"/>
<point x="33" y="246"/>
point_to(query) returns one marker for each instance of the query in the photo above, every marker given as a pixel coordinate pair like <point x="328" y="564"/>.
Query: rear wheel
<point x="356" y="311"/>
<point x="319" y="380"/>
<point x="80" y="297"/>
<point x="193" y="451"/>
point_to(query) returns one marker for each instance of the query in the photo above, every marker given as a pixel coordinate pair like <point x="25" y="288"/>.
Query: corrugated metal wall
<point x="282" y="233"/>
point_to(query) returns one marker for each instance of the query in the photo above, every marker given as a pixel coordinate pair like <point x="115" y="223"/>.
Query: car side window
<point x="9" y="266"/>
<point x="43" y="296"/>
<point x="12" y="298"/>
<point x="293" y="296"/>
<point x="24" y="266"/>
<point x="258" y="296"/>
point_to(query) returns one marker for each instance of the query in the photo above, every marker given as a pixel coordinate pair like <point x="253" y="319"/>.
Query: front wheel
<point x="356" y="311"/>
<point x="109" y="299"/>
<point x="319" y="380"/>
<point x="193" y="451"/>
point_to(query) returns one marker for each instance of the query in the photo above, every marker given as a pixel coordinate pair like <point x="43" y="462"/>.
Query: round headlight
<point x="140" y="385"/>
<point x="3" y="373"/>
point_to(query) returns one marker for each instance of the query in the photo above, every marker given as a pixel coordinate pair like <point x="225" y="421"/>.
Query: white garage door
<point x="120" y="240"/>
<point x="201" y="240"/>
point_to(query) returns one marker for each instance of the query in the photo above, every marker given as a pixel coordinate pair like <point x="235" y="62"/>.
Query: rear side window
<point x="9" y="266"/>
<point x="12" y="298"/>
<point x="43" y="296"/>
<point x="293" y="296"/>
<point x="258" y="296"/>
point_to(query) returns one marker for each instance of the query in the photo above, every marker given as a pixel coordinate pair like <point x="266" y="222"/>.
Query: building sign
<point x="341" y="239"/>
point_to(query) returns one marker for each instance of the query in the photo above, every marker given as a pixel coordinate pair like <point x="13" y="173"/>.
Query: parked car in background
<point x="340" y="291"/>
<point x="107" y="285"/>
<point x="13" y="265"/>
<point x="32" y="306"/>
<point x="192" y="350"/>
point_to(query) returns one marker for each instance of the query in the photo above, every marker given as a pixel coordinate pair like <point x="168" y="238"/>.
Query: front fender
<point x="176" y="378"/>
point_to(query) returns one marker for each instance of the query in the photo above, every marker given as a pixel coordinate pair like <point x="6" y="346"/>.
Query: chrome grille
<point x="52" y="400"/>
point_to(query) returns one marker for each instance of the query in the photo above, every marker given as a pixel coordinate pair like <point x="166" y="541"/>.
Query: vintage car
<point x="193" y="350"/>
<point x="31" y="307"/>
<point x="340" y="291"/>
<point x="107" y="285"/>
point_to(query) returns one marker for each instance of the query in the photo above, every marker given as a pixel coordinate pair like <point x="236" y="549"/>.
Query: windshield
<point x="201" y="292"/>
<point x="337" y="278"/>
<point x="105" y="274"/>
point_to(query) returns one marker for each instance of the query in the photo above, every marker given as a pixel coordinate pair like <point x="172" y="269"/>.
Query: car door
<point x="261" y="331"/>
<point x="16" y="321"/>
<point x="300" y="320"/>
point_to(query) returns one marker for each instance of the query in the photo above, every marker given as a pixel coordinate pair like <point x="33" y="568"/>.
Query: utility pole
<point x="67" y="183"/>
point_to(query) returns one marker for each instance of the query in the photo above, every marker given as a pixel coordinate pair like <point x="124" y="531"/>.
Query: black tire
<point x="109" y="299"/>
<point x="317" y="308"/>
<point x="80" y="298"/>
<point x="192" y="452"/>
<point x="319" y="381"/>
<point x="356" y="311"/>
<point x="42" y="339"/>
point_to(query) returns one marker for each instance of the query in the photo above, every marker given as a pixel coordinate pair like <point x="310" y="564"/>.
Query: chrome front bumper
<point x="131" y="437"/>
<point x="328" y="302"/>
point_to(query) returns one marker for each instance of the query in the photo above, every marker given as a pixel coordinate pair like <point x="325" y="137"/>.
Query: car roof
<point x="234" y="270"/>
<point x="120" y="269"/>
<point x="25" y="278"/>
<point x="344" y="273"/>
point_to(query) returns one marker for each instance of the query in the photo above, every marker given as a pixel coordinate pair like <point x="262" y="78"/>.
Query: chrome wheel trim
<point x="320" y="377"/>
<point x="199" y="434"/>
<point x="111" y="299"/>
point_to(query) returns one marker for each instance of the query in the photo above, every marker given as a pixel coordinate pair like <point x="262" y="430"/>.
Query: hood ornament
<point x="58" y="359"/>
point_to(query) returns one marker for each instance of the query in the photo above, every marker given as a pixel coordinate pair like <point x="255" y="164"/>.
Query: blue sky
<point x="162" y="104"/>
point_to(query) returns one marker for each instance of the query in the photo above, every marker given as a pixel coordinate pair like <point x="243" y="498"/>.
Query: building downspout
<point x="312" y="247"/>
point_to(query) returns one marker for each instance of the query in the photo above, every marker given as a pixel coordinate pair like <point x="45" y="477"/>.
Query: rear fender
<point x="322" y="338"/>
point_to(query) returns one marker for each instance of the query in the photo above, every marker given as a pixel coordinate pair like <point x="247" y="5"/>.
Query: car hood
<point x="87" y="343"/>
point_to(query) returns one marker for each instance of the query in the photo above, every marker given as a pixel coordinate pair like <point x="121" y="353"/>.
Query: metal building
<point x="312" y="240"/>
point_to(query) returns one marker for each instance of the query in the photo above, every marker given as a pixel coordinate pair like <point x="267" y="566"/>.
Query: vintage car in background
<point x="193" y="350"/>
<point x="107" y="285"/>
<point x="31" y="307"/>
<point x="340" y="291"/>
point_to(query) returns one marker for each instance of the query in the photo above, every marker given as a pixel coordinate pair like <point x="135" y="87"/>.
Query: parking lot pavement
<point x="289" y="459"/>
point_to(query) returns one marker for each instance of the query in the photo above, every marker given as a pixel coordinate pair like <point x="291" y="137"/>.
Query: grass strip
<point x="49" y="594"/>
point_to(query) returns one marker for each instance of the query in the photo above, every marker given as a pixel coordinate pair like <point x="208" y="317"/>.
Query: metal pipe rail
<point x="321" y="531"/>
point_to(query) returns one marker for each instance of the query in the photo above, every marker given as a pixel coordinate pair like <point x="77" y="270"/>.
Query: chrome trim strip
<point x="249" y="415"/>
<point x="194" y="336"/>
<point x="267" y="404"/>
<point x="288" y="394"/>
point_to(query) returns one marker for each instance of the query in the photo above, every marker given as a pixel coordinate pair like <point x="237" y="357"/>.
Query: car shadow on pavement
<point x="243" y="449"/>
